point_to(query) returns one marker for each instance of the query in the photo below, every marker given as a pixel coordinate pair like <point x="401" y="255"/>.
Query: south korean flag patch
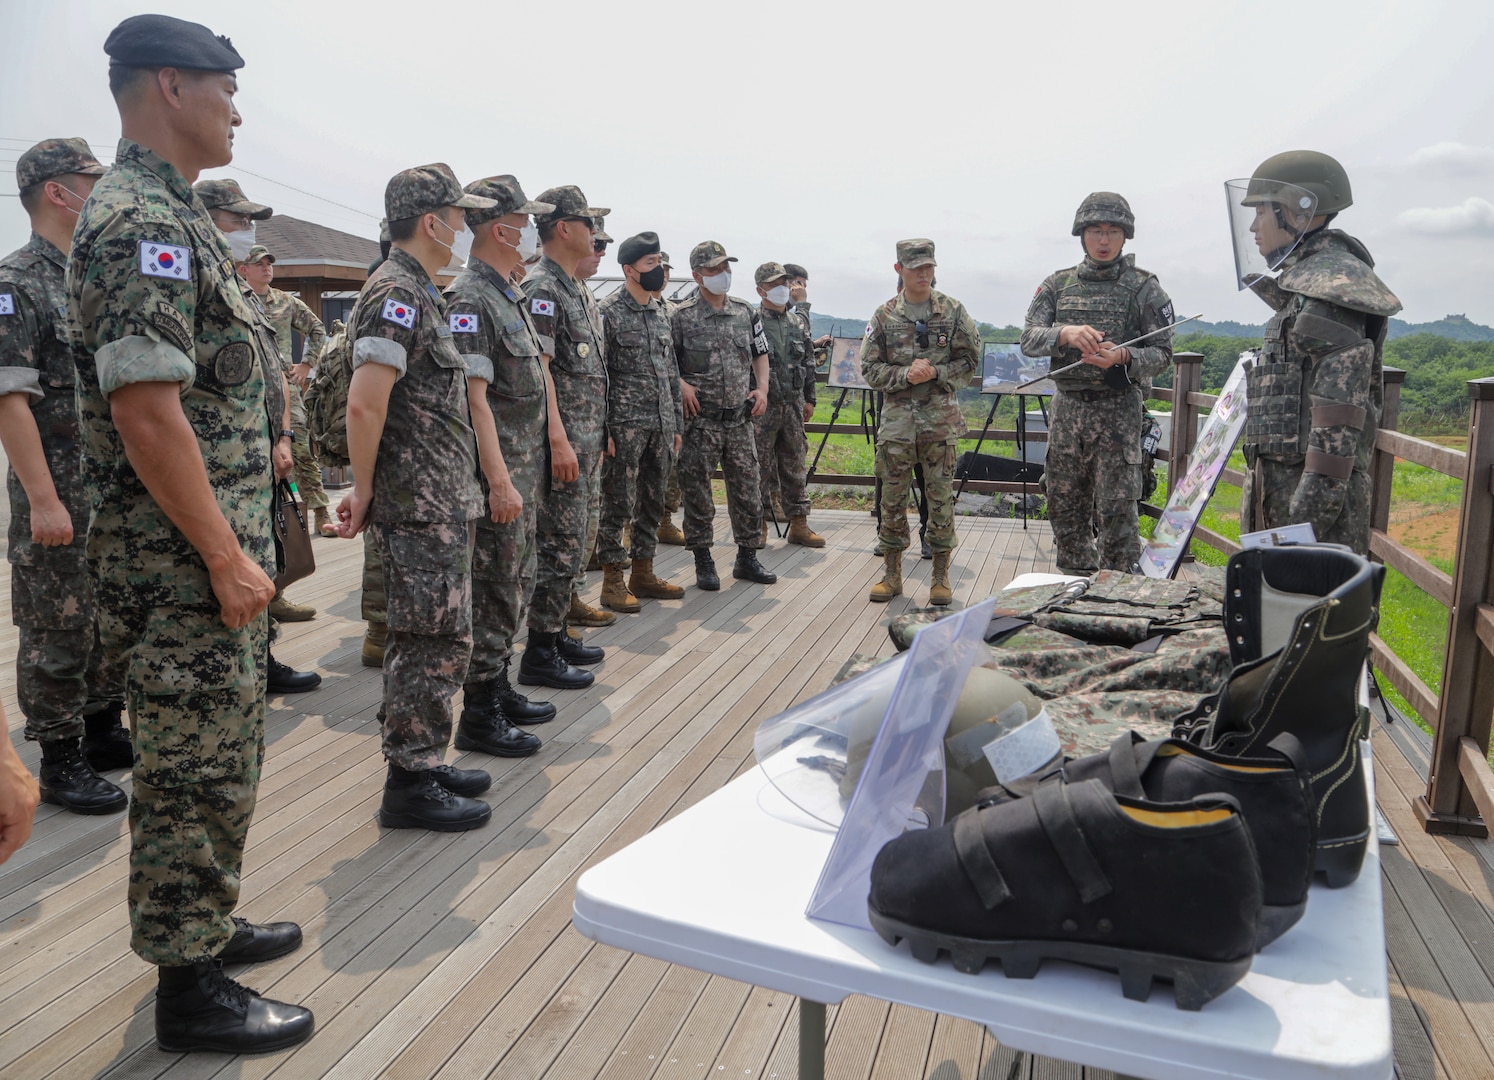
<point x="7" y="303"/>
<point x="541" y="307"/>
<point x="463" y="323"/>
<point x="399" y="313"/>
<point x="165" y="261"/>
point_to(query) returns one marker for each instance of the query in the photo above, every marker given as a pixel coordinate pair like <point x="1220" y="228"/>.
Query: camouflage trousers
<point x="593" y="523"/>
<point x="672" y="490"/>
<point x="560" y="540"/>
<point x="896" y="462"/>
<point x="306" y="471"/>
<point x="428" y="582"/>
<point x="373" y="607"/>
<point x="1276" y="482"/>
<point x="63" y="672"/>
<point x="633" y="481"/>
<point x="783" y="455"/>
<point x="707" y="442"/>
<point x="196" y="695"/>
<point x="503" y="566"/>
<point x="1093" y="477"/>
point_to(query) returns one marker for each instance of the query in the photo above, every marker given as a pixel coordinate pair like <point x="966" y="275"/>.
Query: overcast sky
<point x="821" y="133"/>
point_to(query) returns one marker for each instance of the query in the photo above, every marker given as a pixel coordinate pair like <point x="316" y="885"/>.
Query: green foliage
<point x="1434" y="396"/>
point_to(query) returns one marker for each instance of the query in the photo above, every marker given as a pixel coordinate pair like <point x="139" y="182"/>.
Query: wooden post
<point x="1466" y="705"/>
<point x="1382" y="465"/>
<point x="1187" y="378"/>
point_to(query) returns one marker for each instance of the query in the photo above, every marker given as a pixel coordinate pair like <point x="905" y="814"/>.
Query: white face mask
<point x="528" y="245"/>
<point x="719" y="284"/>
<point x="461" y="243"/>
<point x="240" y="242"/>
<point x="779" y="294"/>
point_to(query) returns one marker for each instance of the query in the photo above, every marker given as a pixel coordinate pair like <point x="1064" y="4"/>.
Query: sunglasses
<point x="921" y="331"/>
<point x="599" y="247"/>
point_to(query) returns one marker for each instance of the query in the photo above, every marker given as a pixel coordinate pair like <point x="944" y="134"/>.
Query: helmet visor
<point x="1267" y="219"/>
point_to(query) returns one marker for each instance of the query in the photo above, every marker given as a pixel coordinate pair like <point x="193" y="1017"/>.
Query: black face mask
<point x="652" y="280"/>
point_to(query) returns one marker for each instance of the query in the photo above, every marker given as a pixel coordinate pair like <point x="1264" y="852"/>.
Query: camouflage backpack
<point x="327" y="398"/>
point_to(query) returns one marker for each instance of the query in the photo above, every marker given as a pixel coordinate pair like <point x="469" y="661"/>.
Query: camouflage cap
<point x="796" y="271"/>
<point x="911" y="254"/>
<point x="384" y="231"/>
<point x="227" y="195"/>
<point x="508" y="198"/>
<point x="56" y="157"/>
<point x="157" y="41"/>
<point x="257" y="252"/>
<point x="769" y="271"/>
<point x="708" y="255"/>
<point x="426" y="189"/>
<point x="568" y="203"/>
<point x="601" y="233"/>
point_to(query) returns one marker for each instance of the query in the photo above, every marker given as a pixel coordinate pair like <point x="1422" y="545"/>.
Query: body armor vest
<point x="1105" y="298"/>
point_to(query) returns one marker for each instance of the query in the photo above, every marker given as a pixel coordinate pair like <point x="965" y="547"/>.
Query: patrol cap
<point x="157" y="41"/>
<point x="769" y="271"/>
<point x="568" y="203"/>
<point x="56" y="157"/>
<point x="708" y="255"/>
<point x="257" y="252"/>
<point x="664" y="259"/>
<point x="601" y="233"/>
<point x="426" y="189"/>
<point x="796" y="271"/>
<point x="227" y="195"/>
<point x="911" y="254"/>
<point x="508" y="198"/>
<point x="637" y="247"/>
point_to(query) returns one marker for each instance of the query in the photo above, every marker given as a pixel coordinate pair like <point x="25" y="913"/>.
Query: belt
<point x="714" y="412"/>
<point x="1093" y="395"/>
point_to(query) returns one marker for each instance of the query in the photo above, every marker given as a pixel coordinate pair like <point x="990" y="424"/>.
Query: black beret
<point x="636" y="247"/>
<point x="795" y="270"/>
<point x="161" y="41"/>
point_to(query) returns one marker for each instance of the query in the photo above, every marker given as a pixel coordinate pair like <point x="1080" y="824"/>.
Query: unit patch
<point x="233" y="363"/>
<point x="399" y="313"/>
<point x="165" y="261"/>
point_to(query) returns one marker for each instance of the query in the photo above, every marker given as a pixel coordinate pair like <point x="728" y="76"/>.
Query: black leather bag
<point x="293" y="557"/>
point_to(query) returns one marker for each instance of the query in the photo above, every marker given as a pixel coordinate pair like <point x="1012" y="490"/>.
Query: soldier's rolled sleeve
<point x="1039" y="335"/>
<point x="313" y="333"/>
<point x="477" y="347"/>
<point x="140" y="360"/>
<point x="20" y="380"/>
<point x="119" y="303"/>
<point x="20" y="331"/>
<point x="378" y="339"/>
<point x="541" y="301"/>
<point x="381" y="350"/>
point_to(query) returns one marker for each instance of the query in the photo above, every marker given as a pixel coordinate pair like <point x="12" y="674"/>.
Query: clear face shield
<point x="1268" y="219"/>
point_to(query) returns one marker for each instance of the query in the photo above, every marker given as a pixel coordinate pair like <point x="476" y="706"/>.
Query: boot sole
<point x="707" y="586"/>
<point x="624" y="608"/>
<point x="1277" y="920"/>
<point x="112" y="807"/>
<point x="658" y="594"/>
<point x="530" y="721"/>
<point x="483" y="748"/>
<point x="1195" y="982"/>
<point x="414" y="821"/>
<point x="555" y="684"/>
<point x="1339" y="859"/>
<point x="884" y="599"/>
<point x="209" y="1047"/>
<point x="755" y="579"/>
<point x="940" y="603"/>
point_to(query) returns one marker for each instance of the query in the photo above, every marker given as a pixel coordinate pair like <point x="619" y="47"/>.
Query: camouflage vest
<point x="787" y="349"/>
<point x="1107" y="298"/>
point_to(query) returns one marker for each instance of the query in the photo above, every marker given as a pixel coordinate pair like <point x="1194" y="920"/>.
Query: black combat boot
<point x="705" y="571"/>
<point x="284" y="679"/>
<point x="200" y="1008"/>
<point x="518" y="708"/>
<point x="747" y="568"/>
<point x="578" y="652"/>
<point x="68" y="781"/>
<point x="255" y="943"/>
<point x="1299" y="620"/>
<point x="106" y="742"/>
<point x="543" y="665"/>
<point x="484" y="727"/>
<point x="468" y="782"/>
<point x="416" y="800"/>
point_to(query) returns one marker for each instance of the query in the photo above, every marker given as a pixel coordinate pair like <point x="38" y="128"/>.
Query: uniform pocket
<point x="428" y="578"/>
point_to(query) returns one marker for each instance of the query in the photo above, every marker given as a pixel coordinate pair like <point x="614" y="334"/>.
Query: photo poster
<point x="1161" y="553"/>
<point x="845" y="363"/>
<point x="1004" y="365"/>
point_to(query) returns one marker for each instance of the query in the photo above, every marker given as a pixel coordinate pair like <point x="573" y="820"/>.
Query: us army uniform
<point x="782" y="446"/>
<point x="151" y="282"/>
<point x="286" y="313"/>
<point x="1094" y="466"/>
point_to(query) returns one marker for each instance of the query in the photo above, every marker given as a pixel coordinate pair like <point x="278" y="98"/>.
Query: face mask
<point x="779" y="295"/>
<point x="719" y="284"/>
<point x="461" y="243"/>
<point x="529" y="242"/>
<point x="652" y="280"/>
<point x="69" y="209"/>
<point x="240" y="242"/>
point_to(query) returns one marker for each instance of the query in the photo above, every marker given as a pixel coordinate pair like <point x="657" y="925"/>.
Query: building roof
<point x="295" y="242"/>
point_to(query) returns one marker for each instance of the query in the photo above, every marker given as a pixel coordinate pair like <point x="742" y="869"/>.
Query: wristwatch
<point x="287" y="433"/>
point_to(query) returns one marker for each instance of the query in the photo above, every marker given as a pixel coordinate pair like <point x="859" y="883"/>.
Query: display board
<point x="1004" y="366"/>
<point x="845" y="363"/>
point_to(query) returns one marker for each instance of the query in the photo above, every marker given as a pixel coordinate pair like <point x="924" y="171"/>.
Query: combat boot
<point x="615" y="592"/>
<point x="321" y="523"/>
<point x="198" y="1008"/>
<point x="939" y="591"/>
<point x="106" y="743"/>
<point x="642" y="582"/>
<point x="284" y="679"/>
<point x="68" y="781"/>
<point x="747" y="568"/>
<point x="583" y="614"/>
<point x="483" y="726"/>
<point x="374" y="639"/>
<point x="1299" y="620"/>
<point x="705" y="571"/>
<point x="414" y="800"/>
<point x="574" y="648"/>
<point x="669" y="532"/>
<point x="518" y="708"/>
<point x="800" y="533"/>
<point x="543" y="664"/>
<point x="286" y="611"/>
<point x="892" y="578"/>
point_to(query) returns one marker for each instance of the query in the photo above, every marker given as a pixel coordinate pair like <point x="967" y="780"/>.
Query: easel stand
<point x="1021" y="438"/>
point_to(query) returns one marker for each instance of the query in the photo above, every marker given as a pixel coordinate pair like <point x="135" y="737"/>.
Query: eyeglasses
<point x="921" y="331"/>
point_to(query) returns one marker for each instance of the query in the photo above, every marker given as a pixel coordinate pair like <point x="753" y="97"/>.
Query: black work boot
<point x="484" y="727"/>
<point x="468" y="782"/>
<point x="577" y="651"/>
<point x="68" y="781"/>
<point x="705" y="571"/>
<point x="1299" y="620"/>
<point x="543" y="665"/>
<point x="284" y="679"/>
<point x="200" y="1008"/>
<point x="255" y="943"/>
<point x="106" y="742"/>
<point x="748" y="568"/>
<point x="415" y="800"/>
<point x="518" y="708"/>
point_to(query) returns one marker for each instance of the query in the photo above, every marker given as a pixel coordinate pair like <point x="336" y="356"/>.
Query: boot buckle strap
<point x="1056" y="816"/>
<point x="975" y="858"/>
<point x="1125" y="774"/>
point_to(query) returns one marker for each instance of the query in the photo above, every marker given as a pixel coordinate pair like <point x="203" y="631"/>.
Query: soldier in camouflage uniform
<point x="581" y="613"/>
<point x="68" y="686"/>
<point x="509" y="394"/>
<point x="414" y="461"/>
<point x="668" y="532"/>
<point x="920" y="349"/>
<point x="644" y="425"/>
<point x="570" y="336"/>
<point x="176" y="427"/>
<point x="1315" y="395"/>
<point x="782" y="446"/>
<point x="723" y="358"/>
<point x="1094" y="467"/>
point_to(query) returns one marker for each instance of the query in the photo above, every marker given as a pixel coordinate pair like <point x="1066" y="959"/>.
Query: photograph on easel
<point x="845" y="363"/>
<point x="1004" y="365"/>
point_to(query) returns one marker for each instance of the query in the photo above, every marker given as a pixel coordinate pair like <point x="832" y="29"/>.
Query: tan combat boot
<point x="641" y="582"/>
<point x="939" y="591"/>
<point x="322" y="523"/>
<point x="762" y="541"/>
<point x="288" y="611"/>
<point x="615" y="592"/>
<point x="800" y="533"/>
<point x="892" y="578"/>
<point x="669" y="532"/>
<point x="583" y="614"/>
<point x="373" y="644"/>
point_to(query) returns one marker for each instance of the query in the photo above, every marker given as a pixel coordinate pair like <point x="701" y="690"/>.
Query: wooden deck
<point x="438" y="955"/>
